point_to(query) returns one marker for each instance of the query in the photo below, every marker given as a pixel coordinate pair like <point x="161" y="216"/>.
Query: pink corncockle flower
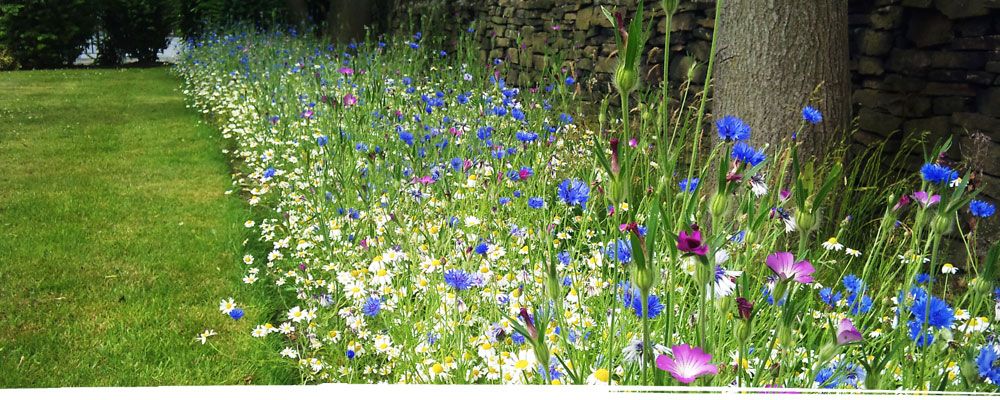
<point x="346" y="71"/>
<point x="528" y="324"/>
<point x="426" y="180"/>
<point x="615" y="167"/>
<point x="691" y="243"/>
<point x="687" y="363"/>
<point x="350" y="100"/>
<point x="903" y="202"/>
<point x="847" y="333"/>
<point x="785" y="194"/>
<point x="633" y="142"/>
<point x="924" y="199"/>
<point x="455" y="131"/>
<point x="783" y="264"/>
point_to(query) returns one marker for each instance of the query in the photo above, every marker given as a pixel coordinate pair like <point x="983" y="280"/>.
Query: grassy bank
<point x="116" y="238"/>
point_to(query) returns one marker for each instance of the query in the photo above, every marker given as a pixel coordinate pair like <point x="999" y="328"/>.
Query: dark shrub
<point x="137" y="28"/>
<point x="46" y="33"/>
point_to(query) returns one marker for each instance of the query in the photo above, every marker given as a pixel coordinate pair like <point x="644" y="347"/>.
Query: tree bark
<point x="772" y="55"/>
<point x="346" y="19"/>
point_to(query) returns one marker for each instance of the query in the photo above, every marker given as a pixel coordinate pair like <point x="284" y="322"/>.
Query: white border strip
<point x="459" y="392"/>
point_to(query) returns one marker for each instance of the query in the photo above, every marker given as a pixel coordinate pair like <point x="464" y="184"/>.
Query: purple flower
<point x="691" y="243"/>
<point x="687" y="363"/>
<point x="350" y="100"/>
<point x="924" y="199"/>
<point x="236" y="314"/>
<point x="528" y="323"/>
<point x="783" y="264"/>
<point x="745" y="308"/>
<point x="847" y="333"/>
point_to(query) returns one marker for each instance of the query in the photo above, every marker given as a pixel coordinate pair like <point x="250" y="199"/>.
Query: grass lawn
<point x="117" y="241"/>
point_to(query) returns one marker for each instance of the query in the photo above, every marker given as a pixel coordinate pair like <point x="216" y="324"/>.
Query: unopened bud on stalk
<point x="669" y="6"/>
<point x="719" y="205"/>
<point x="626" y="78"/>
<point x="941" y="224"/>
<point x="644" y="278"/>
<point x="805" y="221"/>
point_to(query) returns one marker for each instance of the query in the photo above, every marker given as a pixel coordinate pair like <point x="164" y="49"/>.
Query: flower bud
<point x="669" y="6"/>
<point x="941" y="224"/>
<point x="719" y="205"/>
<point x="805" y="221"/>
<point x="626" y="78"/>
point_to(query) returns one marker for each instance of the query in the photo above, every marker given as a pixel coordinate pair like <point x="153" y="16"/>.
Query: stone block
<point x="870" y="66"/>
<point x="989" y="103"/>
<point x="949" y="89"/>
<point x="934" y="125"/>
<point x="956" y="9"/>
<point x="929" y="28"/>
<point x="873" y="42"/>
<point x="951" y="104"/>
<point x="907" y="60"/>
<point x="878" y="122"/>
<point x="970" y="60"/>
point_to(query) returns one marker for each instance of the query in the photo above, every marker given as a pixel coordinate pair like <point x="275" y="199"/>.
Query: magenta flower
<point x="532" y="331"/>
<point x="924" y="200"/>
<point x="783" y="264"/>
<point x="346" y="71"/>
<point x="691" y="243"/>
<point x="350" y="100"/>
<point x="847" y="333"/>
<point x="687" y="364"/>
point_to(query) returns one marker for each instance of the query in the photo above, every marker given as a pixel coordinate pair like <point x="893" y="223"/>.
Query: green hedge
<point x="46" y="33"/>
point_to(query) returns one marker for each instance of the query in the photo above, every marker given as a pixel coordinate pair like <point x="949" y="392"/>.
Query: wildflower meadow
<point x="424" y="221"/>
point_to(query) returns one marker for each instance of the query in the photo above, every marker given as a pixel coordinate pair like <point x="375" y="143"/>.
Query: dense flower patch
<point x="430" y="224"/>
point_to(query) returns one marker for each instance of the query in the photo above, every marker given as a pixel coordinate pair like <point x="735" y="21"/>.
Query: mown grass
<point x="117" y="240"/>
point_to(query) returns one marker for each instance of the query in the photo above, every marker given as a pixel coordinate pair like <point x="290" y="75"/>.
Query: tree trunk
<point x="346" y="19"/>
<point x="772" y="55"/>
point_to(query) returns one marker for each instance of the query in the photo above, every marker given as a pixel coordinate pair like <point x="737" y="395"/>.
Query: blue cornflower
<point x="322" y="140"/>
<point x="536" y="202"/>
<point x="981" y="209"/>
<point x="689" y="185"/>
<point x="517" y="338"/>
<point x="937" y="314"/>
<point x="745" y="153"/>
<point x="838" y="375"/>
<point x="570" y="80"/>
<point x="484" y="133"/>
<point x="988" y="363"/>
<point x="482" y="248"/>
<point x="938" y="174"/>
<point x="350" y="354"/>
<point x="269" y="172"/>
<point x="574" y="192"/>
<point x="853" y="284"/>
<point x="458" y="279"/>
<point x="923" y="278"/>
<point x="812" y="115"/>
<point x="732" y="128"/>
<point x="372" y="306"/>
<point x="620" y="250"/>
<point x="859" y="303"/>
<point x="563" y="257"/>
<point x="463" y="98"/>
<point x="504" y="201"/>
<point x="457" y="163"/>
<point x="517" y="114"/>
<point x="829" y="297"/>
<point x="236" y="314"/>
<point x="526" y="137"/>
<point x="921" y="336"/>
<point x="407" y="137"/>
<point x="632" y="298"/>
<point x="567" y="281"/>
